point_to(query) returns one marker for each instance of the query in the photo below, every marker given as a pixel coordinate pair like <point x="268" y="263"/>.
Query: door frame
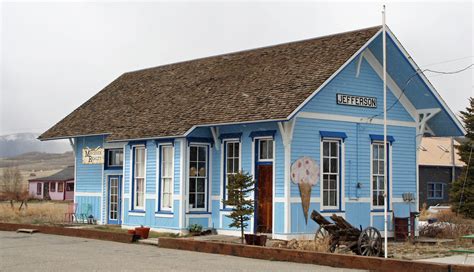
<point x="117" y="221"/>
<point x="257" y="162"/>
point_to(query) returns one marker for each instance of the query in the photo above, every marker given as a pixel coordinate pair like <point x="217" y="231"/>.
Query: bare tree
<point x="13" y="188"/>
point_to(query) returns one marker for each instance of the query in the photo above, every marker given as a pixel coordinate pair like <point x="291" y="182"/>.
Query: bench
<point x="464" y="251"/>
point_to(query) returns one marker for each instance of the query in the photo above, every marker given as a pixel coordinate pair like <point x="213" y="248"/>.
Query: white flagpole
<point x="385" y="132"/>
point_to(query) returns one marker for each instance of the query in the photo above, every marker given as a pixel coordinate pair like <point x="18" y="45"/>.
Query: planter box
<point x="142" y="232"/>
<point x="257" y="240"/>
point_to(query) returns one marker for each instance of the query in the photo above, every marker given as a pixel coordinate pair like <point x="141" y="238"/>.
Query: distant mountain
<point x="16" y="144"/>
<point x="38" y="161"/>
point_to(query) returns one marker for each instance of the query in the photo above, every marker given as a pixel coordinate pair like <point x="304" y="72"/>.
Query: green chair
<point x="86" y="210"/>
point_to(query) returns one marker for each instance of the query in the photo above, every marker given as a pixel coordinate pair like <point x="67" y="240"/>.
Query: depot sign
<point x="358" y="101"/>
<point x="92" y="156"/>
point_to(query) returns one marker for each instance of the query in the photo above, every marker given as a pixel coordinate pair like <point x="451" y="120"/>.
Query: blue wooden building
<point x="156" y="146"/>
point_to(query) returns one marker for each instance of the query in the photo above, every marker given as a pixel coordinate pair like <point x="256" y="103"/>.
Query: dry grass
<point x="44" y="212"/>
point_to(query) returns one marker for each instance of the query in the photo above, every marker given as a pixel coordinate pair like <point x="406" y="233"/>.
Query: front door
<point x="114" y="199"/>
<point x="264" y="198"/>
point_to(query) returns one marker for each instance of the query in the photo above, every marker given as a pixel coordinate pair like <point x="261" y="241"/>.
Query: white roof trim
<point x="427" y="82"/>
<point x="334" y="75"/>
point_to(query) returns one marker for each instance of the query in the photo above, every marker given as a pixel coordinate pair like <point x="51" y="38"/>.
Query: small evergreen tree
<point x="462" y="190"/>
<point x="239" y="188"/>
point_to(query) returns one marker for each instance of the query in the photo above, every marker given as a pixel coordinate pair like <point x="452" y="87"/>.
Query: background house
<point x="439" y="166"/>
<point x="59" y="186"/>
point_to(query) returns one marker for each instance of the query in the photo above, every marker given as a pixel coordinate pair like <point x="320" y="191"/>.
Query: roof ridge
<point x="253" y="49"/>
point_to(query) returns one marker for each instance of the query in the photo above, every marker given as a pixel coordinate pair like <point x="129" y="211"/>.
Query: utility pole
<point x="385" y="198"/>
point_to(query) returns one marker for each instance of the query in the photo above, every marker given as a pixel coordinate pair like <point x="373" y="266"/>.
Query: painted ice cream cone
<point x="305" y="173"/>
<point x="305" y="192"/>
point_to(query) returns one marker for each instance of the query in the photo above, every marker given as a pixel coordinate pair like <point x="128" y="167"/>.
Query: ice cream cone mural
<point x="305" y="173"/>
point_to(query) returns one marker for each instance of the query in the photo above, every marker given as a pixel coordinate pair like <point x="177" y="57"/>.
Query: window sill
<point x="380" y="210"/>
<point x="198" y="212"/>
<point x="164" y="214"/>
<point x="332" y="211"/>
<point x="226" y="210"/>
<point x="136" y="213"/>
<point x="113" y="168"/>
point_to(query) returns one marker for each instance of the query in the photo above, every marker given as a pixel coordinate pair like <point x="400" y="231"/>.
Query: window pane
<point x="325" y="198"/>
<point x="202" y="169"/>
<point x="192" y="185"/>
<point x="334" y="149"/>
<point x="202" y="153"/>
<point x="200" y="185"/>
<point x="381" y="151"/>
<point x="193" y="169"/>
<point x="263" y="149"/>
<point x="326" y="149"/>
<point x="270" y="149"/>
<point x="333" y="182"/>
<point x="325" y="165"/>
<point x="230" y="165"/>
<point x="325" y="181"/>
<point x="381" y="167"/>
<point x="200" y="201"/>
<point x="332" y="198"/>
<point x="192" y="200"/>
<point x="193" y="153"/>
<point x="236" y="149"/>
<point x="334" y="166"/>
<point x="375" y="152"/>
<point x="230" y="149"/>
<point x="236" y="166"/>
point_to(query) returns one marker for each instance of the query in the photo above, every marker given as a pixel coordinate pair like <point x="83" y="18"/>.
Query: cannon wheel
<point x="322" y="233"/>
<point x="370" y="242"/>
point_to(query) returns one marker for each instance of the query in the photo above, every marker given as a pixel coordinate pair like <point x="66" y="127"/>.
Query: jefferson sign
<point x="93" y="156"/>
<point x="359" y="101"/>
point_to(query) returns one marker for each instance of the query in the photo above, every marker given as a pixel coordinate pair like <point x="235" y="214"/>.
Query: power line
<point x="413" y="76"/>
<point x="447" y="61"/>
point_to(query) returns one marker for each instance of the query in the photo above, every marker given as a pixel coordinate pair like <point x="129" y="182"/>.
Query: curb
<point x="310" y="257"/>
<point x="83" y="233"/>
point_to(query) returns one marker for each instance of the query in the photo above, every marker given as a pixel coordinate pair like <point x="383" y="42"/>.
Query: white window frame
<point x="372" y="174"/>
<point x="340" y="165"/>
<point x="206" y="178"/>
<point x="266" y="139"/>
<point x="112" y="150"/>
<point x="434" y="197"/>
<point x="389" y="177"/>
<point x="161" y="177"/>
<point x="134" y="193"/>
<point x="226" y="181"/>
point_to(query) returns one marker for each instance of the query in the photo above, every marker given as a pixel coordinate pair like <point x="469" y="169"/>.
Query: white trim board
<point x="96" y="194"/>
<point x="425" y="80"/>
<point x="353" y="119"/>
<point x="334" y="75"/>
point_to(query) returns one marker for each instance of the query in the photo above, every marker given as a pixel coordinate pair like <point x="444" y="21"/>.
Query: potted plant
<point x="240" y="186"/>
<point x="195" y="229"/>
<point x="142" y="231"/>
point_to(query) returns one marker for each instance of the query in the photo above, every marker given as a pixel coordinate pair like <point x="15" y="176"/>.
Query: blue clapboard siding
<point x="358" y="214"/>
<point x="88" y="176"/>
<point x="406" y="77"/>
<point x="177" y="166"/>
<point x="306" y="142"/>
<point x="367" y="84"/>
<point x="151" y="165"/>
<point x="84" y="202"/>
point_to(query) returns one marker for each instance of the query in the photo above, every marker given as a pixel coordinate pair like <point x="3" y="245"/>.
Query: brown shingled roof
<point x="262" y="84"/>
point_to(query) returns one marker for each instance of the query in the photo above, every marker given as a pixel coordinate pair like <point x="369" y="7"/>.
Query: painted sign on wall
<point x="93" y="156"/>
<point x="358" y="101"/>
<point x="305" y="173"/>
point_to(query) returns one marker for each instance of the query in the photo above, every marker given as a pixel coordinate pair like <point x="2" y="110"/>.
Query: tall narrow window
<point x="52" y="186"/>
<point x="232" y="160"/>
<point x="330" y="186"/>
<point x="139" y="178"/>
<point x="378" y="182"/>
<point x="166" y="177"/>
<point x="197" y="177"/>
